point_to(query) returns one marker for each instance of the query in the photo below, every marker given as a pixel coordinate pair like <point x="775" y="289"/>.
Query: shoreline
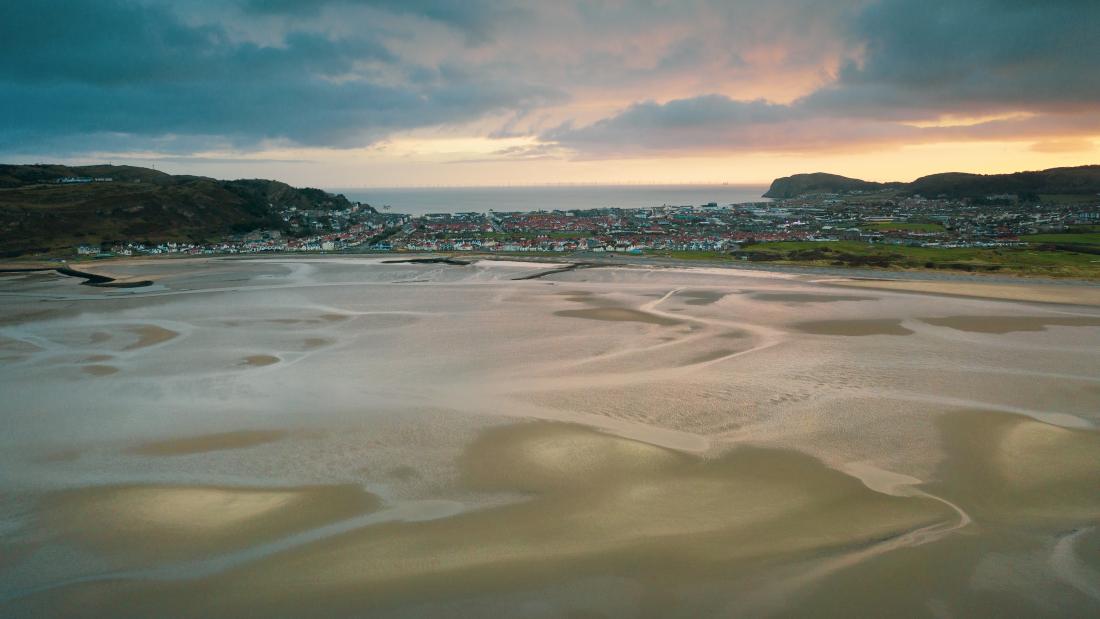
<point x="458" y="258"/>
<point x="1023" y="288"/>
<point x="90" y="279"/>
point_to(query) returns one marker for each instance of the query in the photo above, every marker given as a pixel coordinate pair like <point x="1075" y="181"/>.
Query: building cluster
<point x="81" y="180"/>
<point x="916" y="221"/>
<point x="912" y="221"/>
<point x="315" y="230"/>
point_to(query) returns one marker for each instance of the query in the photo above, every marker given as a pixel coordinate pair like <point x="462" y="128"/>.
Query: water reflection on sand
<point x="311" y="437"/>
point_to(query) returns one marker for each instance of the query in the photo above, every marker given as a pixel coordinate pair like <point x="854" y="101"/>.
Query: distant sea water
<point x="418" y="201"/>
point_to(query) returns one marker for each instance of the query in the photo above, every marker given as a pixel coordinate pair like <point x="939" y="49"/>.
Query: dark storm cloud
<point x="965" y="57"/>
<point x="696" y="123"/>
<point x="918" y="61"/>
<point x="188" y="76"/>
<point x="715" y="123"/>
<point x="71" y="68"/>
<point x="475" y="17"/>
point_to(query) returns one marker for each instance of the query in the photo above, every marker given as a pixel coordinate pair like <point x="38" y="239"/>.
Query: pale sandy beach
<point x="345" y="437"/>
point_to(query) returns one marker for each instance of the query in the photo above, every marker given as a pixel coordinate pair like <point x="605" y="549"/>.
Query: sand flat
<point x="598" y="501"/>
<point x="805" y="297"/>
<point x="99" y="370"/>
<point x="710" y="489"/>
<point x="1011" y="324"/>
<point x="157" y="522"/>
<point x="1014" y="468"/>
<point x="701" y="297"/>
<point x="149" y="335"/>
<point x="853" y="328"/>
<point x="619" y="314"/>
<point x="1049" y="293"/>
<point x="205" y="443"/>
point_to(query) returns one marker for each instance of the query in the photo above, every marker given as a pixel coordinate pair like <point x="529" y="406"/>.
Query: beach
<point x="351" y="436"/>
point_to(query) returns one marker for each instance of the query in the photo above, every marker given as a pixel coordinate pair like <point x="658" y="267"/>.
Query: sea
<point x="421" y="200"/>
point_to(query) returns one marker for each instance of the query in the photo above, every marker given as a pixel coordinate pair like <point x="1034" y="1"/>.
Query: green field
<point x="1070" y="238"/>
<point x="905" y="226"/>
<point x="1018" y="261"/>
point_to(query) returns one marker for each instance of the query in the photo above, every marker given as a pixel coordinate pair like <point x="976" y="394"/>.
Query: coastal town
<point x="1002" y="220"/>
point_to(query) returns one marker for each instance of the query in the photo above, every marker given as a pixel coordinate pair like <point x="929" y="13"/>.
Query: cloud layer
<point x="583" y="80"/>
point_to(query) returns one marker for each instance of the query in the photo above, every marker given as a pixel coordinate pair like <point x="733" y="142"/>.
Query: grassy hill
<point x="39" y="215"/>
<point x="1081" y="181"/>
<point x="817" y="182"/>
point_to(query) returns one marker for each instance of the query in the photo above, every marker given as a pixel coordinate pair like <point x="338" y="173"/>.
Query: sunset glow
<point x="344" y="93"/>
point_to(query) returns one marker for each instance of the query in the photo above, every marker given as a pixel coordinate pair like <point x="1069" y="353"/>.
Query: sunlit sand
<point x="173" y="522"/>
<point x="347" y="437"/>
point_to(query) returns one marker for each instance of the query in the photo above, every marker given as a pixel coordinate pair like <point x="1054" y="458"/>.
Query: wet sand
<point x="597" y="500"/>
<point x="1011" y="324"/>
<point x="1084" y="294"/>
<point x="99" y="370"/>
<point x="701" y="297"/>
<point x="158" y="523"/>
<point x="853" y="328"/>
<point x="671" y="442"/>
<point x="260" y="360"/>
<point x="619" y="314"/>
<point x="802" y="297"/>
<point x="208" y="442"/>
<point x="1020" y="470"/>
<point x="149" y="335"/>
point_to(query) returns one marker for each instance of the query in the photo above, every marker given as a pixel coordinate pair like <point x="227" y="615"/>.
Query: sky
<point x="390" y="93"/>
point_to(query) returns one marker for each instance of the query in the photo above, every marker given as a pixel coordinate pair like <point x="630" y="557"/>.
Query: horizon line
<point x="563" y="184"/>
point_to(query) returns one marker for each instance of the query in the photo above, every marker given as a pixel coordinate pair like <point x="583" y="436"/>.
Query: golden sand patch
<point x="260" y="360"/>
<point x="599" y="504"/>
<point x="1012" y="467"/>
<point x="149" y="335"/>
<point x="99" y="370"/>
<point x="543" y="457"/>
<point x="174" y="522"/>
<point x="209" y="442"/>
